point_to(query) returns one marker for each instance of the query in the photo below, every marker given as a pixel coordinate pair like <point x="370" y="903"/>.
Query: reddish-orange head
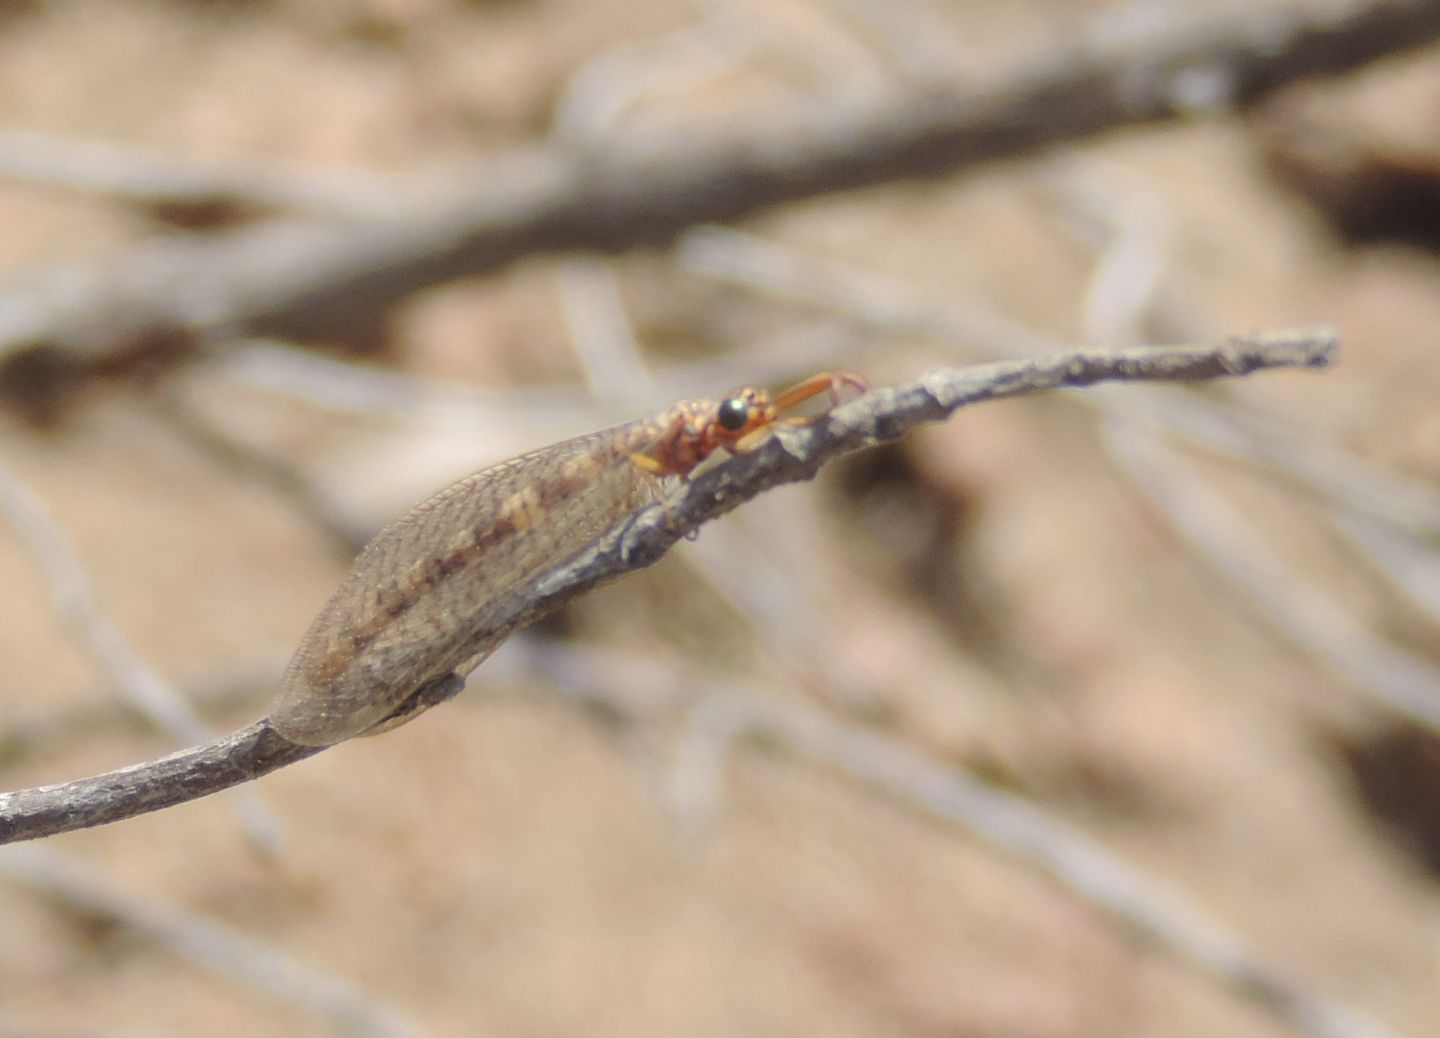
<point x="736" y="417"/>
<point x="696" y="428"/>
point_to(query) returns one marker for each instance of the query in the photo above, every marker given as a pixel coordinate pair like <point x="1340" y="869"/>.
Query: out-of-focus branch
<point x="329" y="283"/>
<point x="138" y="789"/>
<point x="793" y="454"/>
<point x="724" y="716"/>
<point x="140" y="684"/>
<point x="208" y="945"/>
<point x="1400" y="680"/>
<point x="183" y="191"/>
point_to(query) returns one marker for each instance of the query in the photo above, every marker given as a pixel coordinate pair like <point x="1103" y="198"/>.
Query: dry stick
<point x="610" y="357"/>
<point x="101" y="715"/>
<point x="1003" y="820"/>
<point x="1294" y="606"/>
<point x="326" y="283"/>
<point x="308" y="498"/>
<point x="149" y="694"/>
<point x="1075" y="861"/>
<point x="723" y="715"/>
<point x="1410" y="563"/>
<point x="177" y="185"/>
<point x="607" y="85"/>
<point x="792" y="455"/>
<point x="868" y="302"/>
<point x="1404" y="512"/>
<point x="140" y="684"/>
<point x="348" y="387"/>
<point x="209" y="945"/>
<point x="1299" y="610"/>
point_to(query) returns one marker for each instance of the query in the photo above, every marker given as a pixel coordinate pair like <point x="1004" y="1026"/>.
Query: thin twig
<point x="136" y="789"/>
<point x="308" y="497"/>
<point x="883" y="307"/>
<point x="177" y="186"/>
<point x="350" y="387"/>
<point x="603" y="89"/>
<point x="102" y="715"/>
<point x="1292" y="605"/>
<point x="353" y="387"/>
<point x="327" y="283"/>
<point x="1065" y="855"/>
<point x="793" y="454"/>
<point x="208" y="944"/>
<point x="141" y="685"/>
<point x="722" y="717"/>
<point x="1296" y="608"/>
<point x="1410" y="563"/>
<point x="74" y="599"/>
<point x="602" y="333"/>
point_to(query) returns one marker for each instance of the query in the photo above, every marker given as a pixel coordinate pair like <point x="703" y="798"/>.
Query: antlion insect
<point x="418" y="610"/>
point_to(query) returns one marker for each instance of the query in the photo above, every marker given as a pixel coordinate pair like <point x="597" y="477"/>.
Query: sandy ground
<point x="998" y="595"/>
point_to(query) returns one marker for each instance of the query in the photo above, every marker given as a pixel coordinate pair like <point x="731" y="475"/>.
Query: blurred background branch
<point x="338" y="283"/>
<point x="275" y="270"/>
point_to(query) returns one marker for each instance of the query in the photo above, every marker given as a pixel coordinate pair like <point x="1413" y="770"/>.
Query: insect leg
<point x="826" y="381"/>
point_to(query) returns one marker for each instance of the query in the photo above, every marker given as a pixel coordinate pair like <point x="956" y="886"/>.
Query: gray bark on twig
<point x="794" y="454"/>
<point x="339" y="283"/>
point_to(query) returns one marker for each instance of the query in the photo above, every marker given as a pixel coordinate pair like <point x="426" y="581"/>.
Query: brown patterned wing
<point x="419" y="600"/>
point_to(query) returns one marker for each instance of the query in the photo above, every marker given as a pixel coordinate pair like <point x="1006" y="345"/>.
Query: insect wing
<point x="420" y="599"/>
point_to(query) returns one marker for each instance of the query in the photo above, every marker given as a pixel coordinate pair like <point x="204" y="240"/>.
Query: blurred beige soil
<point x="995" y="592"/>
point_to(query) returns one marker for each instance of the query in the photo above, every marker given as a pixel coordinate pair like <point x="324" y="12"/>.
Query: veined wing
<point x="415" y="604"/>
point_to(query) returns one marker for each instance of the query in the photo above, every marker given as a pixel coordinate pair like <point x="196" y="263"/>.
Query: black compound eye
<point x="733" y="413"/>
